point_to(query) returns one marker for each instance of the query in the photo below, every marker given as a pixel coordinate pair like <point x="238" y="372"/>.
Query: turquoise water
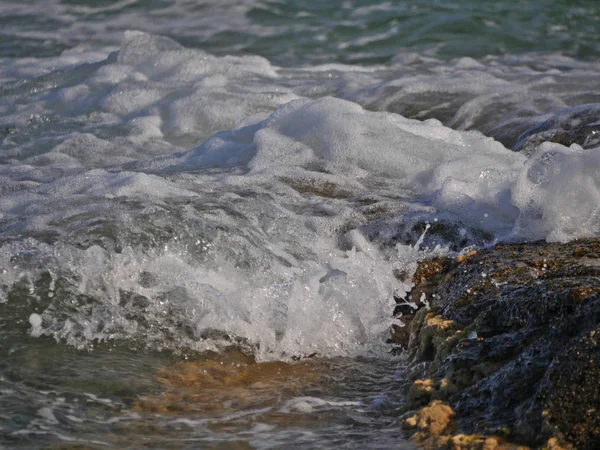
<point x="293" y="33"/>
<point x="209" y="210"/>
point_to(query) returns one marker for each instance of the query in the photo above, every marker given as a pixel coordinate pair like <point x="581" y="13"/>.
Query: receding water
<point x="208" y="210"/>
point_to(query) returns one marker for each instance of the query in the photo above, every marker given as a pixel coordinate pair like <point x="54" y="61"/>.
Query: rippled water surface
<point x="292" y="33"/>
<point x="118" y="398"/>
<point x="208" y="210"/>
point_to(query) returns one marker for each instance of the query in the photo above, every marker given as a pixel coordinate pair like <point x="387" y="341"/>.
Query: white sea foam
<point x="308" y="405"/>
<point x="558" y="194"/>
<point x="338" y="143"/>
<point x="127" y="214"/>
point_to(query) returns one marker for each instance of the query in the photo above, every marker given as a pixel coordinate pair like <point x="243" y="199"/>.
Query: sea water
<point x="208" y="210"/>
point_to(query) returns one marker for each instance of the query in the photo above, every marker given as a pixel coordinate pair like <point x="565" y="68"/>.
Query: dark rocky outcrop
<point x="511" y="345"/>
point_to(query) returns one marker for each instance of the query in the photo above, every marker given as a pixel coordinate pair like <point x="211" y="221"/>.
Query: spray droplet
<point x="35" y="320"/>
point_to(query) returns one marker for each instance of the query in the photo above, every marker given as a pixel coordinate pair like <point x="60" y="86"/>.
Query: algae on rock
<point x="512" y="344"/>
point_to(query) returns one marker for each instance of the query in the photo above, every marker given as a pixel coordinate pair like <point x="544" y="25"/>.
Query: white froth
<point x="558" y="194"/>
<point x="153" y="96"/>
<point x="285" y="229"/>
<point x="342" y="308"/>
<point x="340" y="145"/>
<point x="307" y="405"/>
<point x="35" y="320"/>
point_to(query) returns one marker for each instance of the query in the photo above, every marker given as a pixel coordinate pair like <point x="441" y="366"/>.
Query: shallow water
<point x="53" y="396"/>
<point x="205" y="225"/>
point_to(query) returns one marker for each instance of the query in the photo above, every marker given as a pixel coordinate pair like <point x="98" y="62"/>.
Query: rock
<point x="422" y="391"/>
<point x="574" y="391"/>
<point x="514" y="337"/>
<point x="433" y="420"/>
<point x="433" y="427"/>
<point x="553" y="444"/>
<point x="425" y="278"/>
<point x="578" y="125"/>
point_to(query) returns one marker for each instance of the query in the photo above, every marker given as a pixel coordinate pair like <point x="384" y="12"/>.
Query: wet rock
<point x="433" y="428"/>
<point x="426" y="277"/>
<point x="422" y="391"/>
<point x="573" y="391"/>
<point x="512" y="344"/>
<point x="433" y="420"/>
<point x="579" y="125"/>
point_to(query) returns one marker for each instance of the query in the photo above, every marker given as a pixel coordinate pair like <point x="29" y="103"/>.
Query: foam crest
<point x="472" y="177"/>
<point x="153" y="96"/>
<point x="558" y="194"/>
<point x="163" y="299"/>
<point x="337" y="144"/>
